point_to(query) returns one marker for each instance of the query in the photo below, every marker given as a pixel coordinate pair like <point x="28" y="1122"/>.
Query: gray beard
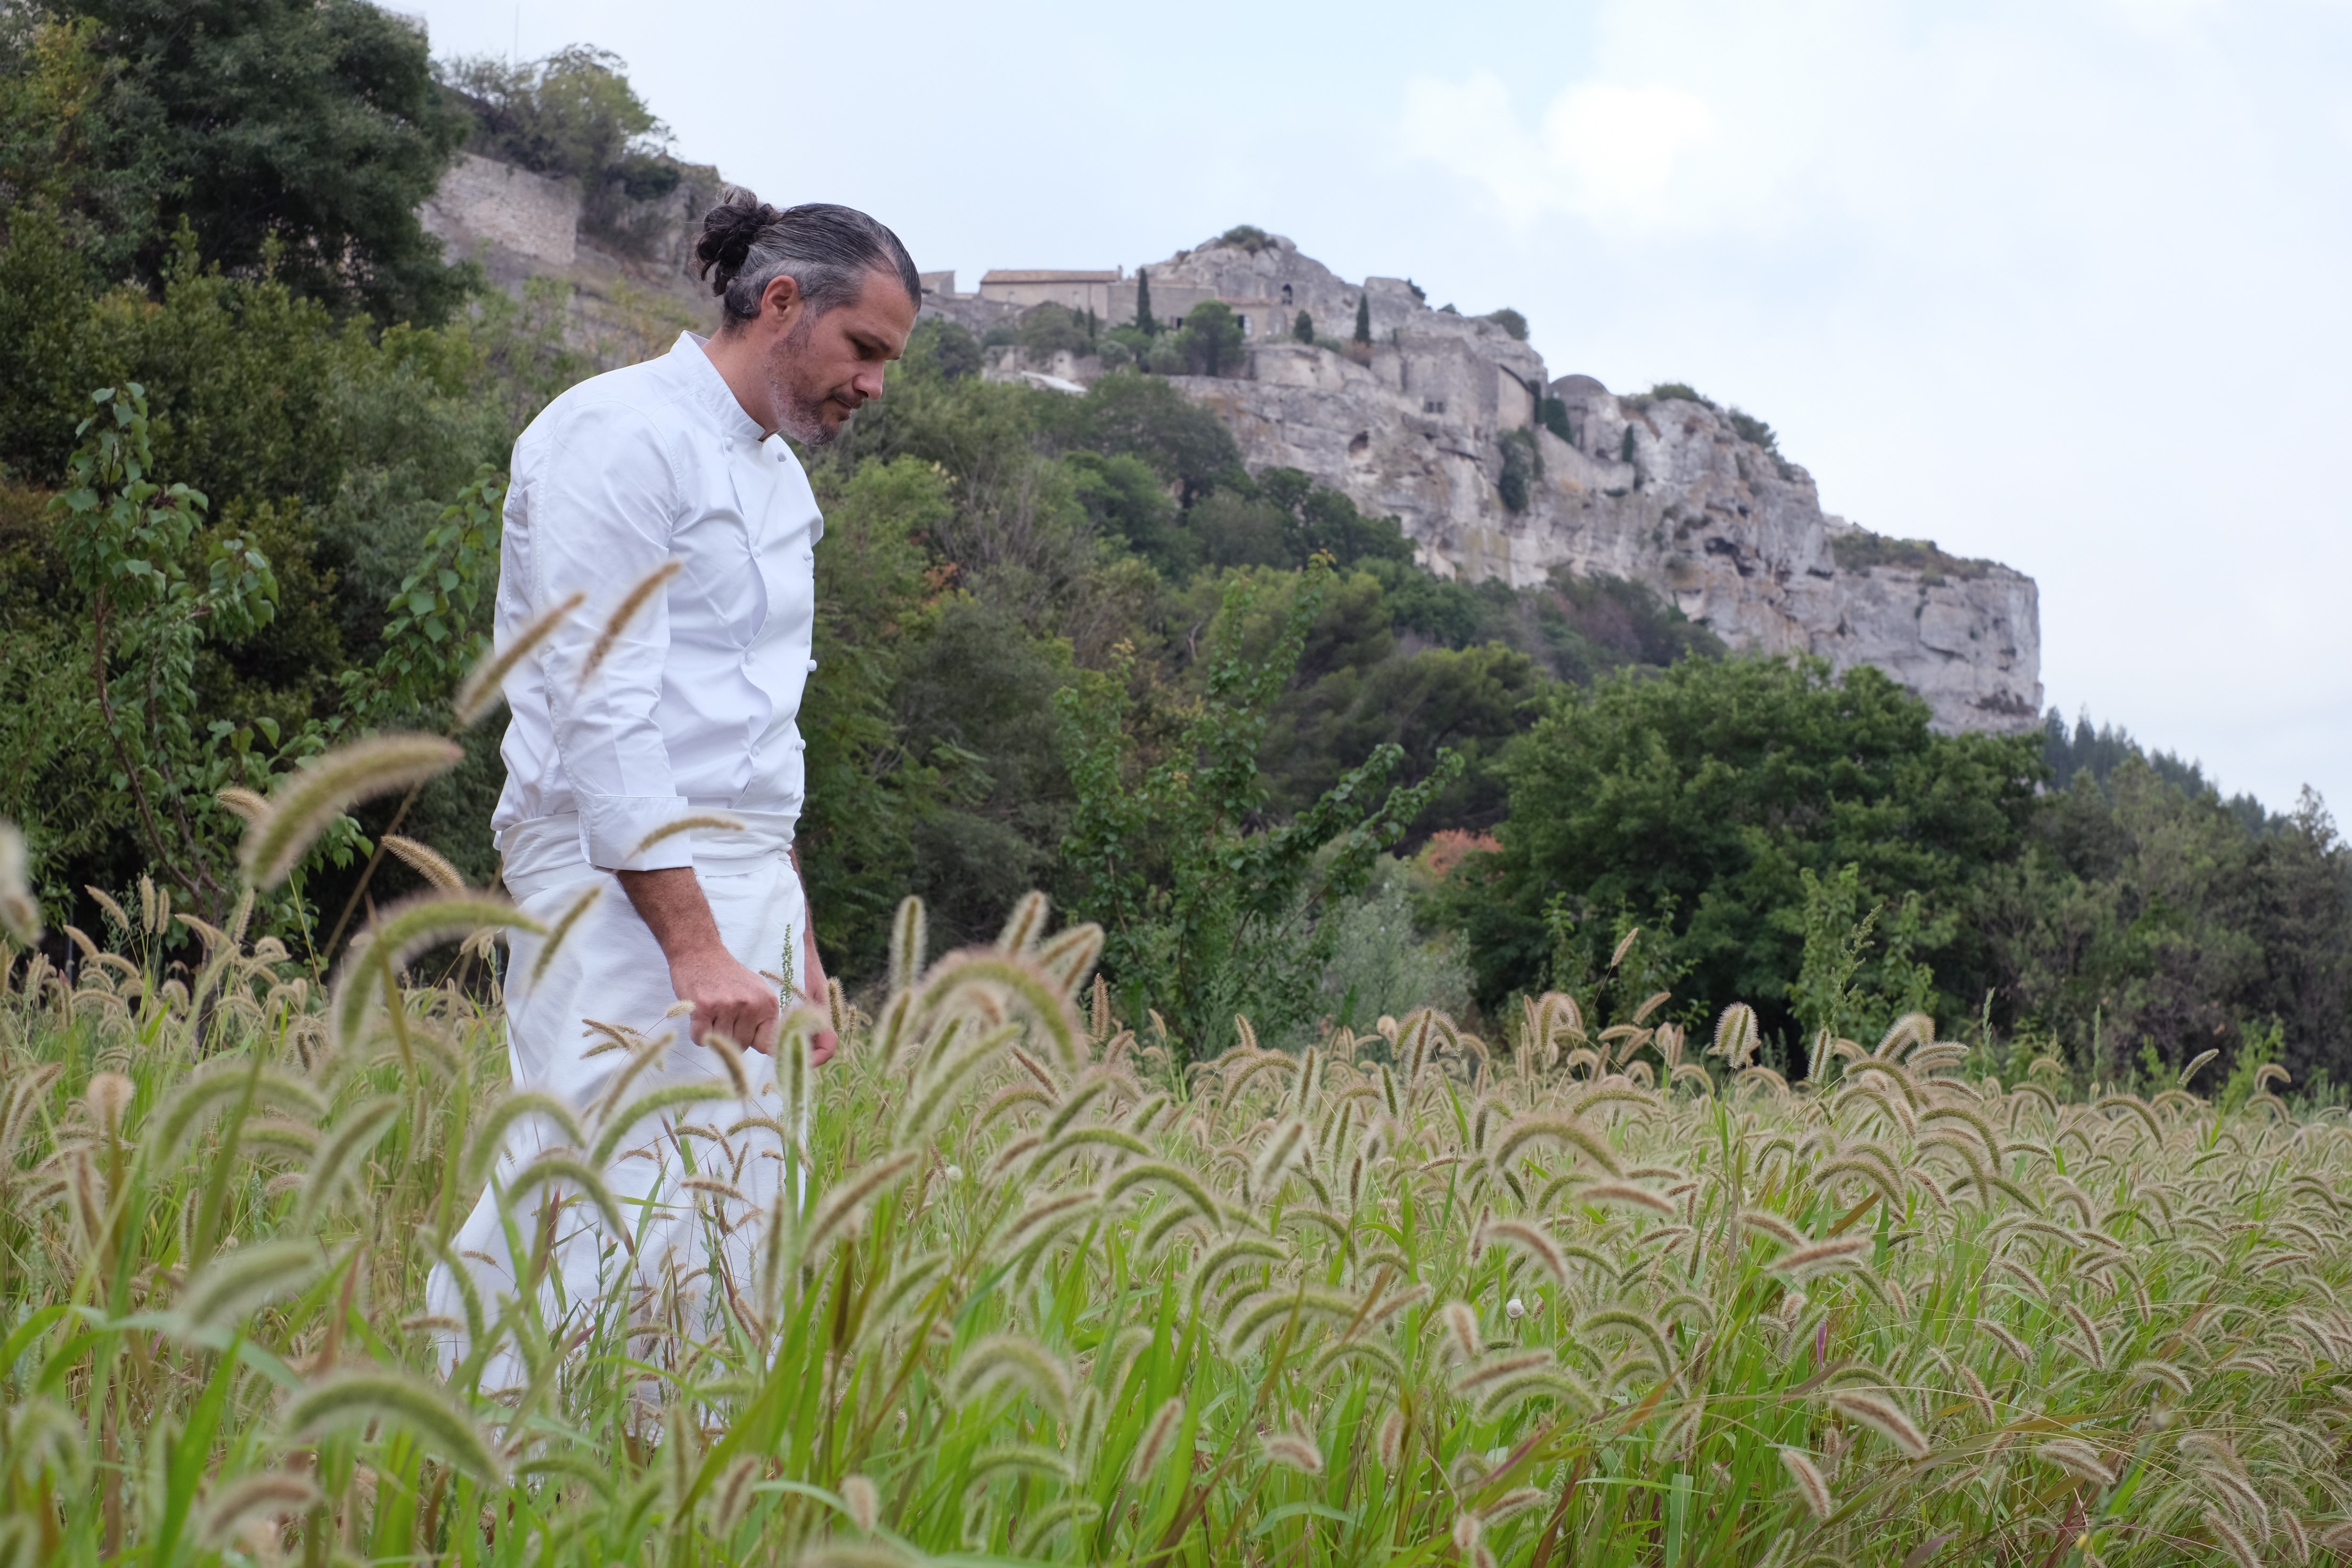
<point x="800" y="418"/>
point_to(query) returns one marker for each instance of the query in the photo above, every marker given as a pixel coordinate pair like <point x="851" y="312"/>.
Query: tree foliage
<point x="296" y="135"/>
<point x="1694" y="804"/>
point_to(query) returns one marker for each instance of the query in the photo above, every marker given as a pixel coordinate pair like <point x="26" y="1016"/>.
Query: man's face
<point x="824" y="368"/>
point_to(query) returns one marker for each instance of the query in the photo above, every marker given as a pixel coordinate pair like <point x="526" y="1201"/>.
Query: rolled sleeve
<point x="604" y="506"/>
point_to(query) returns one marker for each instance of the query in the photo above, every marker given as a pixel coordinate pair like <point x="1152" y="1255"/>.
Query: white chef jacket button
<point x="812" y="666"/>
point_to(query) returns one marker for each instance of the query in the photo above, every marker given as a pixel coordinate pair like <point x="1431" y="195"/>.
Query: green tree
<point x="1208" y="910"/>
<point x="1692" y="803"/>
<point x="1364" y="320"/>
<point x="1143" y="417"/>
<point x="1144" y="321"/>
<point x="1302" y="328"/>
<point x="1050" y="329"/>
<point x="1210" y="342"/>
<point x="130" y="543"/>
<point x="2146" y="914"/>
<point x="295" y="136"/>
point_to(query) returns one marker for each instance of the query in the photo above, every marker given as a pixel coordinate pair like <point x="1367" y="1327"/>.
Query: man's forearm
<point x="671" y="904"/>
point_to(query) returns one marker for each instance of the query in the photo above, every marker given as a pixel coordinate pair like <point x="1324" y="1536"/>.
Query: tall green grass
<point x="1573" y="1296"/>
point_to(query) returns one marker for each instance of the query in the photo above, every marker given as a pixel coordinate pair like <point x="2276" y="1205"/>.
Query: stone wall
<point x="482" y="200"/>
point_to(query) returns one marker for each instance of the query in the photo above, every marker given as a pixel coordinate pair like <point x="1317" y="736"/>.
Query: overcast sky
<point x="2062" y="282"/>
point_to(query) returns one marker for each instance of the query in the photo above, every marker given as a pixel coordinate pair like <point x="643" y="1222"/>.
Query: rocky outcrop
<point x="1664" y="491"/>
<point x="624" y="290"/>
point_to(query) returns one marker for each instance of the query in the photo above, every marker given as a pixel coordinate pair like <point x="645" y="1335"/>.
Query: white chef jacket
<point x="694" y="707"/>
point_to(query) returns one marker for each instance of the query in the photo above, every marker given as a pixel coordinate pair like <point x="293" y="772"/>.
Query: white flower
<point x="954" y="1172"/>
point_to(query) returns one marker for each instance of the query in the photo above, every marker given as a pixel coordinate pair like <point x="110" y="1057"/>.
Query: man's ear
<point x="780" y="299"/>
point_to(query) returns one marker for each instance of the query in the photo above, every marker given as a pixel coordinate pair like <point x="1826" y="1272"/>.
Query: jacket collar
<point x="700" y="381"/>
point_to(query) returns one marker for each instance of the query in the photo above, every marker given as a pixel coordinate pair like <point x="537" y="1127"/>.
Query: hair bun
<point x="728" y="232"/>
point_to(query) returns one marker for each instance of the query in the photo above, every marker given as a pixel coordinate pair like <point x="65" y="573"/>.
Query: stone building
<point x="1079" y="292"/>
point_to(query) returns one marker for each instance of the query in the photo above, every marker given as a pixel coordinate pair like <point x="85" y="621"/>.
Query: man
<point x="654" y="773"/>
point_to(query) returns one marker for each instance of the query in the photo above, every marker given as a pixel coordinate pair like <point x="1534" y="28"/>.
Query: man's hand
<point x="727" y="997"/>
<point x="823" y="1043"/>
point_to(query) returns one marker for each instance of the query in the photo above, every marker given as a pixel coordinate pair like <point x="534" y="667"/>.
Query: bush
<point x="1748" y="427"/>
<point x="1383" y="964"/>
<point x="1246" y="236"/>
<point x="1510" y="321"/>
<point x="1522" y="470"/>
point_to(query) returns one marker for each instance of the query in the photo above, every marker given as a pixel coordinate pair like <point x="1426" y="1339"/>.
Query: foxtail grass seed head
<point x="20" y="911"/>
<point x="999" y="1244"/>
<point x="1460" y="1321"/>
<point x="485" y="683"/>
<point x="109" y="1095"/>
<point x="1159" y="1438"/>
<point x="1811" y="1488"/>
<point x="863" y="1502"/>
<point x="632" y="602"/>
<point x="426" y="862"/>
<point x="1292" y="1451"/>
<point x="309" y="799"/>
<point x="1391" y="1439"/>
<point x="1882" y="1415"/>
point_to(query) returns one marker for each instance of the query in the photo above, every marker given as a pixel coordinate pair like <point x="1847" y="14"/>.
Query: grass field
<point x="1578" y="1296"/>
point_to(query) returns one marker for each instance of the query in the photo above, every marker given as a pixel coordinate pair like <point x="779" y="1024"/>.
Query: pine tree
<point x="1143" y="322"/>
<point x="1364" y="319"/>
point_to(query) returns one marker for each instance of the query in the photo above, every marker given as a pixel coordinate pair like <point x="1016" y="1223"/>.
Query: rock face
<point x="1664" y="491"/>
<point x="1418" y="423"/>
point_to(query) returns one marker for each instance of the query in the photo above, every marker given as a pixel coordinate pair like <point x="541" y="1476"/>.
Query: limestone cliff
<point x="1417" y="424"/>
<point x="1663" y="491"/>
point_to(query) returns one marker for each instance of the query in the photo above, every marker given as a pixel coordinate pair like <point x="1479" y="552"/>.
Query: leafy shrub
<point x="1862" y="550"/>
<point x="1510" y="321"/>
<point x="1748" y="427"/>
<point x="1674" y="392"/>
<point x="1246" y="236"/>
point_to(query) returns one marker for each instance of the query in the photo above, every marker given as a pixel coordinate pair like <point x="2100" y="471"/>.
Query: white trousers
<point x="695" y="1184"/>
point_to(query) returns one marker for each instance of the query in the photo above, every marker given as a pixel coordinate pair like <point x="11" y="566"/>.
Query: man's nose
<point x="868" y="383"/>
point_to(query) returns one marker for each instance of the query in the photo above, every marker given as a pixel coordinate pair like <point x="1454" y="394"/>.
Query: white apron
<point x="691" y="1243"/>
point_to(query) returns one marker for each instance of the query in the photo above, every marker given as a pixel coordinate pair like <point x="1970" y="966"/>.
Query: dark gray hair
<point x="826" y="249"/>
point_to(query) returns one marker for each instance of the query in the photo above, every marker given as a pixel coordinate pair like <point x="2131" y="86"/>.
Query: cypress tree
<point x="1143" y="320"/>
<point x="1364" y="319"/>
<point x="1303" y="329"/>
